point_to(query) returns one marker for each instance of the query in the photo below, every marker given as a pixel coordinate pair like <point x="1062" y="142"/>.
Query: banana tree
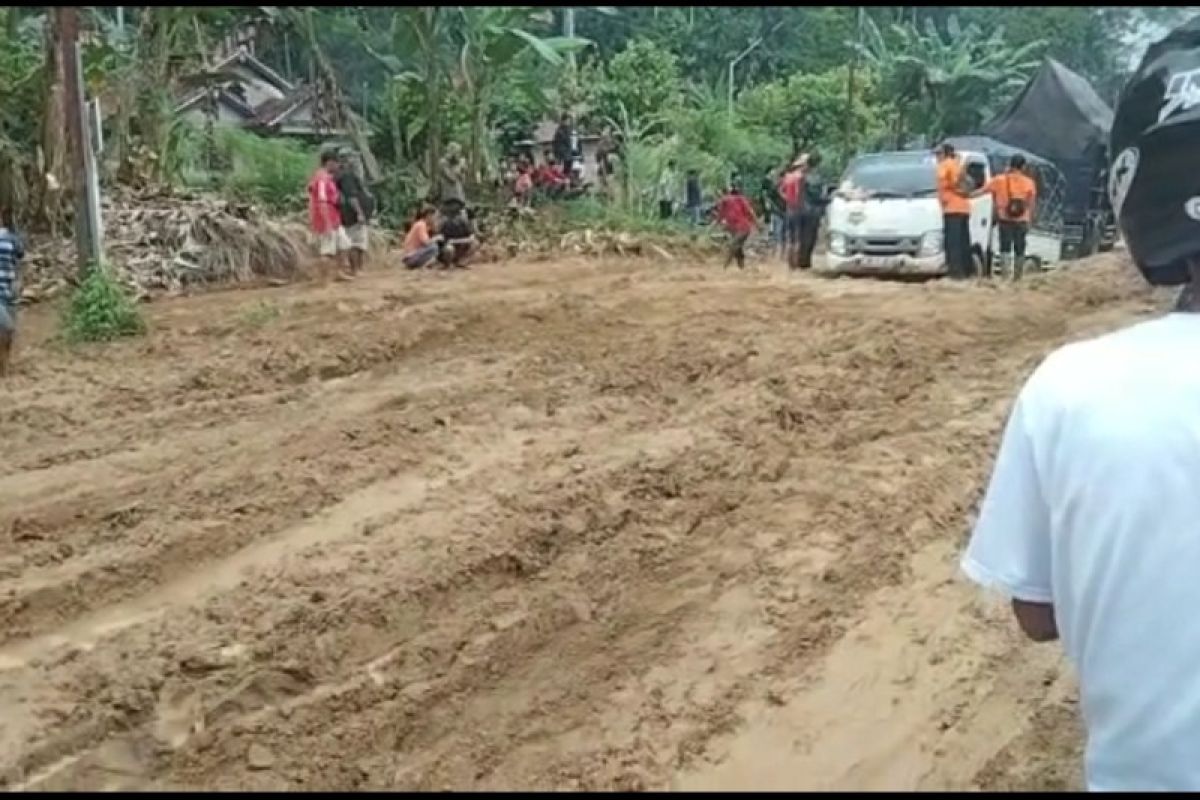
<point x="493" y="41"/>
<point x="419" y="59"/>
<point x="953" y="81"/>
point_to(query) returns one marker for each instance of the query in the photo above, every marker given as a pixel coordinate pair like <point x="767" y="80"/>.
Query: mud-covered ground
<point x="581" y="524"/>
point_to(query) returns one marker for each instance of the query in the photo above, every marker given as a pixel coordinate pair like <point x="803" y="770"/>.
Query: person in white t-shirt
<point x="1091" y="523"/>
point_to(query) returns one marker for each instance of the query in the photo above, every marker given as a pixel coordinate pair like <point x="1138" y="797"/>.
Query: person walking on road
<point x="1091" y="523"/>
<point x="956" y="212"/>
<point x="1014" y="195"/>
<point x="735" y="213"/>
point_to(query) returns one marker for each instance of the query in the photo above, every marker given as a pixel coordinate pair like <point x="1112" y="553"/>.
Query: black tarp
<point x="1059" y="116"/>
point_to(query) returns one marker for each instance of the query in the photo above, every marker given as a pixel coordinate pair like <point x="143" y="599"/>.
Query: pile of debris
<point x="167" y="242"/>
<point x="527" y="235"/>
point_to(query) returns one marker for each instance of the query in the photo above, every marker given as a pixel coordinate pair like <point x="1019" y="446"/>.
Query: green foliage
<point x="591" y="213"/>
<point x="101" y="309"/>
<point x="269" y="172"/>
<point x="813" y="111"/>
<point x="643" y="81"/>
<point x="946" y="83"/>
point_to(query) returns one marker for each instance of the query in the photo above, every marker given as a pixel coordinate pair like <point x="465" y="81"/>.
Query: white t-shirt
<point x="1094" y="506"/>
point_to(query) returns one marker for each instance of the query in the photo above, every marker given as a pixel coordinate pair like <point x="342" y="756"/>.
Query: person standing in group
<point x="772" y="207"/>
<point x="357" y="206"/>
<point x="693" y="198"/>
<point x="815" y="197"/>
<point x="325" y="217"/>
<point x="736" y="214"/>
<point x="956" y="212"/>
<point x="605" y="153"/>
<point x="1014" y="194"/>
<point x="791" y="191"/>
<point x="1090" y="522"/>
<point x="563" y="143"/>
<point x="667" y="191"/>
<point x="453" y="169"/>
<point x="12" y="252"/>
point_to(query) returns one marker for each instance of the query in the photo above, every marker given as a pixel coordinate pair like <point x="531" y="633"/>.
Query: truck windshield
<point x="891" y="175"/>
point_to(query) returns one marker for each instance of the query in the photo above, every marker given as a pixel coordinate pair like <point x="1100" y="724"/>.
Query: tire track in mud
<point x="675" y="499"/>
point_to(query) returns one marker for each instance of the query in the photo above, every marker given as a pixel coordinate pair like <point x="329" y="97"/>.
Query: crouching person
<point x="11" y="253"/>
<point x="459" y="242"/>
<point x="420" y="244"/>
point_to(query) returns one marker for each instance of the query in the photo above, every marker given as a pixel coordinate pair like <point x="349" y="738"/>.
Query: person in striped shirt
<point x="11" y="253"/>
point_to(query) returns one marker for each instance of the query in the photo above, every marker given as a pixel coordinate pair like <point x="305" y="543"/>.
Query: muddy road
<point x="582" y="524"/>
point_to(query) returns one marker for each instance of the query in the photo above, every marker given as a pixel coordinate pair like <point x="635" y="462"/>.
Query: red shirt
<point x="324" y="214"/>
<point x="789" y="189"/>
<point x="734" y="211"/>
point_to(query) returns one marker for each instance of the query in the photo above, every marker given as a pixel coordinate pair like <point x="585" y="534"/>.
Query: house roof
<point x="245" y="58"/>
<point x="272" y="112"/>
<point x="224" y="97"/>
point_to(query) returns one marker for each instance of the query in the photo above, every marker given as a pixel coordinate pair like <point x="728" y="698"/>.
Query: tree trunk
<point x="54" y="184"/>
<point x="337" y="104"/>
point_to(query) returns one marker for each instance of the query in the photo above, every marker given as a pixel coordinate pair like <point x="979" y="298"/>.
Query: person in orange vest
<point x="1014" y="194"/>
<point x="956" y="212"/>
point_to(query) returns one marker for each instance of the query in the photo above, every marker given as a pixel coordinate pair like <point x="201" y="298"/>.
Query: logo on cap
<point x="1183" y="93"/>
<point x="1192" y="208"/>
<point x="1120" y="177"/>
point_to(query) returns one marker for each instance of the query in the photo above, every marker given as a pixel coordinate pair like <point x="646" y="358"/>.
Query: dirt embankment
<point x="585" y="524"/>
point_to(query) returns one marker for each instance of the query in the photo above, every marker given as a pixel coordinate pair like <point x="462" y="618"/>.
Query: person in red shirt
<point x="325" y="216"/>
<point x="736" y="214"/>
<point x="791" y="189"/>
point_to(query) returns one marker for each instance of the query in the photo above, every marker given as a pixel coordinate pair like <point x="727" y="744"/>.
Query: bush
<point x="101" y="309"/>
<point x="269" y="172"/>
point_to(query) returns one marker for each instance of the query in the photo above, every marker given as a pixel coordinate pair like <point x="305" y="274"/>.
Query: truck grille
<point x="884" y="246"/>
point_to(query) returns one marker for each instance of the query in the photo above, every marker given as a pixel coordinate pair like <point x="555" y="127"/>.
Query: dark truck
<point x="1059" y="116"/>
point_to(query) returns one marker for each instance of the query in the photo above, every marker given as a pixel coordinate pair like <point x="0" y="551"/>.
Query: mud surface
<point x="565" y="525"/>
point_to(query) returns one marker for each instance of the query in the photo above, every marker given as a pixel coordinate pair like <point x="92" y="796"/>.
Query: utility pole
<point x="82" y="176"/>
<point x="569" y="31"/>
<point x="848" y="134"/>
<point x="733" y="64"/>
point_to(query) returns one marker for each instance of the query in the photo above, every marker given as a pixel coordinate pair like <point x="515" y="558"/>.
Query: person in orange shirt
<point x="421" y="245"/>
<point x="1014" y="194"/>
<point x="956" y="212"/>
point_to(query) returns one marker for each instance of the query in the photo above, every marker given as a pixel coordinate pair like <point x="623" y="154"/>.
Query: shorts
<point x="359" y="237"/>
<point x="8" y="319"/>
<point x="332" y="243"/>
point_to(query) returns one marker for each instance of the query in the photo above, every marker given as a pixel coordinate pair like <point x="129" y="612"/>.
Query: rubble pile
<point x="167" y="242"/>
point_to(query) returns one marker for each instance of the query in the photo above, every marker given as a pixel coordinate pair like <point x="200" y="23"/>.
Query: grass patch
<point x="260" y="314"/>
<point x="101" y="309"/>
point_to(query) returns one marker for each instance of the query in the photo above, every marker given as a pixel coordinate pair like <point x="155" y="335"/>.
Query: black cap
<point x="1154" y="176"/>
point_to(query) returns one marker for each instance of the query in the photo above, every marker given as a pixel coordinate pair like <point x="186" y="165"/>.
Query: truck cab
<point x="885" y="218"/>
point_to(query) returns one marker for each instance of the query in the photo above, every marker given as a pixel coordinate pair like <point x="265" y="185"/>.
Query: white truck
<point x="885" y="219"/>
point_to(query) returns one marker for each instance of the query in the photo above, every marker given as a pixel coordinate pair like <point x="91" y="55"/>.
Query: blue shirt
<point x="11" y="253"/>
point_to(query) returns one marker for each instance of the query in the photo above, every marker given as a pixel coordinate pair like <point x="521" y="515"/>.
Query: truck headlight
<point x="931" y="243"/>
<point x="837" y="244"/>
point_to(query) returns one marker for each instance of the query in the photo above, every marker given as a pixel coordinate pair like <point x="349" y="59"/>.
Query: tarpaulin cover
<point x="1059" y="116"/>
